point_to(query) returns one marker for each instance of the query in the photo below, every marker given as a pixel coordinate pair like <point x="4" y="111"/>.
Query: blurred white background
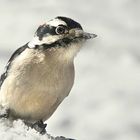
<point x="104" y="103"/>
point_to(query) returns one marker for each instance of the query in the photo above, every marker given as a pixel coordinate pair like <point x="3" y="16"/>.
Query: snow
<point x="18" y="130"/>
<point x="104" y="103"/>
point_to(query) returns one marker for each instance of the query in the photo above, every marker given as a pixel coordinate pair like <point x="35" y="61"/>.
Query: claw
<point x="38" y="126"/>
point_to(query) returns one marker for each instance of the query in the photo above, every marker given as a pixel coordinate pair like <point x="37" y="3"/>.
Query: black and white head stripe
<point x="53" y="30"/>
<point x="70" y="22"/>
<point x="57" y="24"/>
<point x="45" y="29"/>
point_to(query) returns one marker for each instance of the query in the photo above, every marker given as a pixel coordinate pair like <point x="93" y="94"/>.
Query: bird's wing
<point x="14" y="55"/>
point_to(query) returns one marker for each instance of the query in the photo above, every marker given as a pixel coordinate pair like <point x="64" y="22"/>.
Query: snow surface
<point x="17" y="130"/>
<point x="104" y="103"/>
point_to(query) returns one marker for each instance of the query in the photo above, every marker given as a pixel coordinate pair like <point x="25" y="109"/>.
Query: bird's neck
<point x="64" y="53"/>
<point x="58" y="51"/>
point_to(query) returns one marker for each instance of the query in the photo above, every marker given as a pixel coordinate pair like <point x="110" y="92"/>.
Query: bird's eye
<point x="60" y="30"/>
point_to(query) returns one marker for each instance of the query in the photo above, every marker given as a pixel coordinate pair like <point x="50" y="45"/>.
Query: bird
<point x="40" y="74"/>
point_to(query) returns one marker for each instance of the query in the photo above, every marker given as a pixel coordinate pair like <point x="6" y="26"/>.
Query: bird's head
<point x="60" y="32"/>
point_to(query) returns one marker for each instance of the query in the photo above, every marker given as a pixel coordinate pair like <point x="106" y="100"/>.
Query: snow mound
<point x="18" y="130"/>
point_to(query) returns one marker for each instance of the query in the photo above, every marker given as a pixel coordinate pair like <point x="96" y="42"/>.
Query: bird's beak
<point x="89" y="35"/>
<point x="84" y="35"/>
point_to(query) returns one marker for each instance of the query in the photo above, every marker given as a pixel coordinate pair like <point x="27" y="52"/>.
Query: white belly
<point x="36" y="85"/>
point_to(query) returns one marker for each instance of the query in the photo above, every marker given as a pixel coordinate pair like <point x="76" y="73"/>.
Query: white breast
<point x="37" y="84"/>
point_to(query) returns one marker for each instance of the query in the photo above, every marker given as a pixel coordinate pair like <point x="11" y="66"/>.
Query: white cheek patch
<point x="45" y="40"/>
<point x="33" y="42"/>
<point x="56" y="22"/>
<point x="49" y="39"/>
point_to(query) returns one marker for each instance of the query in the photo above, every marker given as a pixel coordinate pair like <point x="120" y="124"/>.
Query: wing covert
<point x="14" y="55"/>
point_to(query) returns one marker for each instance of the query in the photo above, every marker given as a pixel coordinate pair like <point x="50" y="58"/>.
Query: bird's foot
<point x="4" y="112"/>
<point x="39" y="126"/>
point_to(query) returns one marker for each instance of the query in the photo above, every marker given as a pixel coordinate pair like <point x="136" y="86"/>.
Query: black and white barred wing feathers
<point x="14" y="55"/>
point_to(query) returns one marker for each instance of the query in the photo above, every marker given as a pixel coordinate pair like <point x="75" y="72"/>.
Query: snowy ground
<point x="104" y="103"/>
<point x="17" y="130"/>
